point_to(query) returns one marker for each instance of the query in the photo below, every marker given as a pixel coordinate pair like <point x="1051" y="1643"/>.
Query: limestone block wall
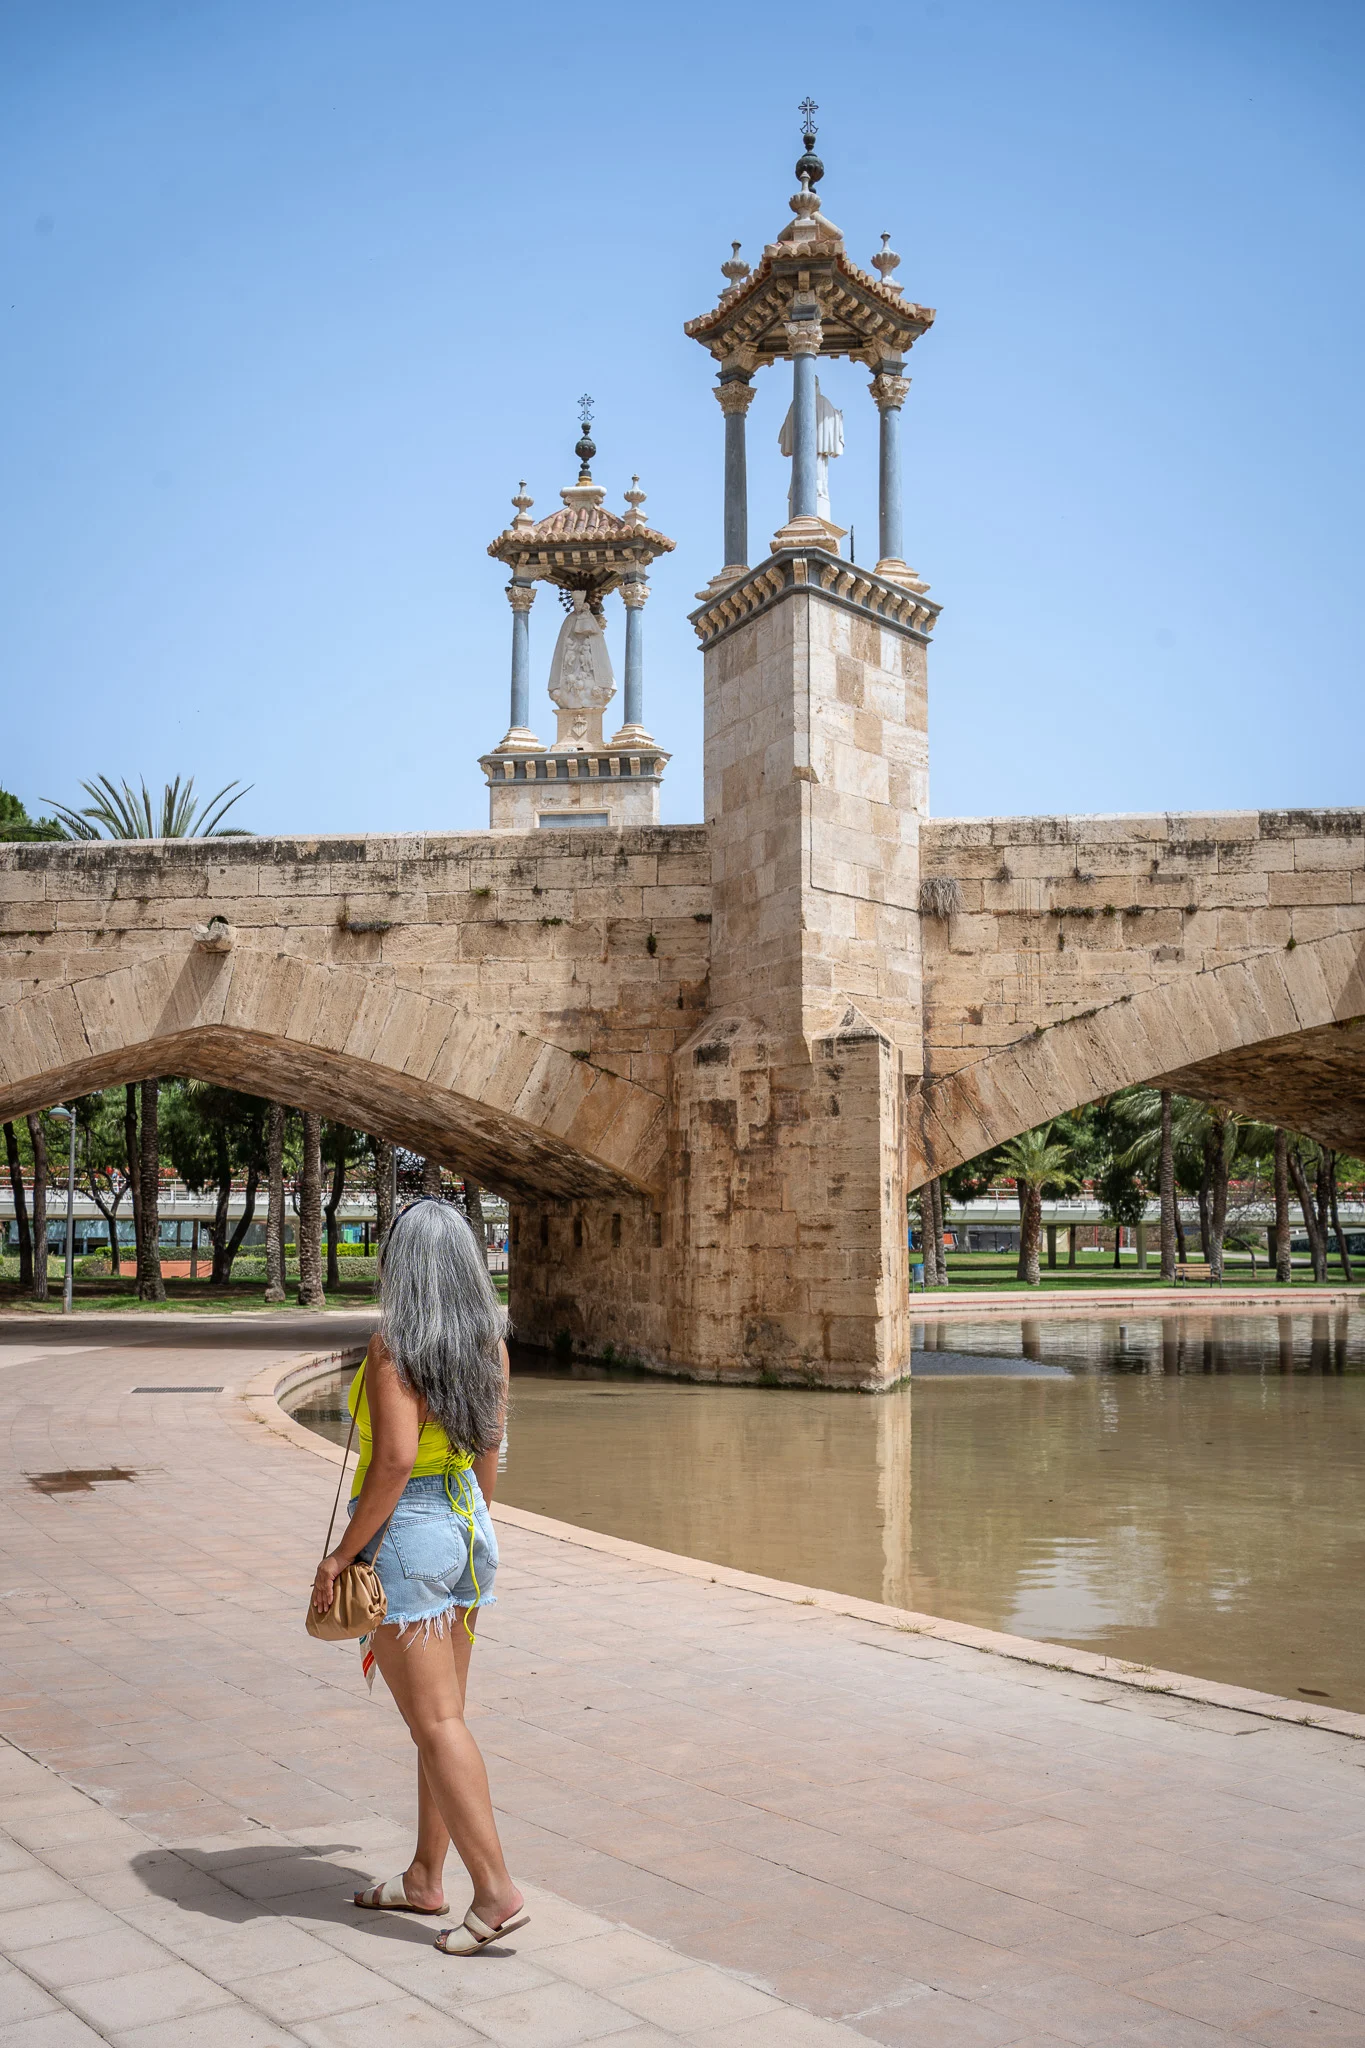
<point x="507" y="1002"/>
<point x="1089" y="953"/>
<point x="816" y="782"/>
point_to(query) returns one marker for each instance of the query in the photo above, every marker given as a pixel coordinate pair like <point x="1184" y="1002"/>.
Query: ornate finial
<point x="735" y="270"/>
<point x="586" y="447"/>
<point x="523" y="505"/>
<point x="886" y="260"/>
<point x="635" y="498"/>
<point x="809" y="168"/>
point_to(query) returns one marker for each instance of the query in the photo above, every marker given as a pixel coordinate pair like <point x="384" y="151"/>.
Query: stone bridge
<point x="708" y="1063"/>
<point x="586" y="1020"/>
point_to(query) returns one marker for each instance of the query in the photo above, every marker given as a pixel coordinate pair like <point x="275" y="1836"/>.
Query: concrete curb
<point x="262" y="1396"/>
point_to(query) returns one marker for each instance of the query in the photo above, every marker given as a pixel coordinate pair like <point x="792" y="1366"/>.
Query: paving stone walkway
<point x="740" y="1822"/>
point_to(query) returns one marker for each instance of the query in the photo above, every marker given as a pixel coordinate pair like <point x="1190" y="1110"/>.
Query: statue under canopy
<point x="829" y="441"/>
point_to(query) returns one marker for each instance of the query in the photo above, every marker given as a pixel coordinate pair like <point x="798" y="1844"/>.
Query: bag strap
<point x="341" y="1480"/>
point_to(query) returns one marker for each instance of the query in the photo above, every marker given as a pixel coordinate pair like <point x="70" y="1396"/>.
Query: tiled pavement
<point x="745" y="1822"/>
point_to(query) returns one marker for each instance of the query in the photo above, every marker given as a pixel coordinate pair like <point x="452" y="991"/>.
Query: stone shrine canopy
<point x="585" y="552"/>
<point x="867" y="318"/>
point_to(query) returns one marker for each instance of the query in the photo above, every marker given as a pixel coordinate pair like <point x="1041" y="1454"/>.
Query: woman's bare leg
<point x="424" y="1879"/>
<point x="426" y="1681"/>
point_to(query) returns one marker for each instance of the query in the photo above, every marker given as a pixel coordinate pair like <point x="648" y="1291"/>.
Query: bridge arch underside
<point x="525" y="1116"/>
<point x="1279" y="1037"/>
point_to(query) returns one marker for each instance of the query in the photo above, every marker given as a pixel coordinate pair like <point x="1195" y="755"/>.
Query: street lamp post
<point x="70" y="1116"/>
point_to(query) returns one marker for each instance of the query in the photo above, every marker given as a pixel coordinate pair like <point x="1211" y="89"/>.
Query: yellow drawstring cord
<point x="463" y="1509"/>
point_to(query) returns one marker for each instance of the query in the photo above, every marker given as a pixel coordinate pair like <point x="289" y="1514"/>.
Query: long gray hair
<point x="442" y="1322"/>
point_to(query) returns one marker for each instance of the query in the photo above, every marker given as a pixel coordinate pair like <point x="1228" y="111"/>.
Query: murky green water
<point x="1180" y="1491"/>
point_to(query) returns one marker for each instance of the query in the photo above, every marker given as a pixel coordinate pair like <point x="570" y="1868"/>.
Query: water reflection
<point x="1185" y="1493"/>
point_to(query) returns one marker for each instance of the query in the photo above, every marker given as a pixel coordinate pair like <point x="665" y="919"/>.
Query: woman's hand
<point x="324" y="1581"/>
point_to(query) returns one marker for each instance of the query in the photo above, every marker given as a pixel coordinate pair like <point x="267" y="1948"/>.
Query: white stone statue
<point x="581" y="680"/>
<point x="829" y="442"/>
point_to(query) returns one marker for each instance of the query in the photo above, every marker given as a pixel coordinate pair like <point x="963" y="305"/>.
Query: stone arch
<point x="1235" y="1032"/>
<point x="472" y="1090"/>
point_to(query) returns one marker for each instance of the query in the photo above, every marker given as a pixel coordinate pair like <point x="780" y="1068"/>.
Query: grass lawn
<point x="994" y="1273"/>
<point x="105" y="1296"/>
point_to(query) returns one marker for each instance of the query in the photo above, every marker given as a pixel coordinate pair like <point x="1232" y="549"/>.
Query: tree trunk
<point x="338" y="1189"/>
<point x="38" y="1141"/>
<point x="1030" y="1232"/>
<point x="1205" y="1189"/>
<point x="234" y="1243"/>
<point x="131" y="1147"/>
<point x="150" y="1285"/>
<point x="1118" y="1246"/>
<point x="1283" y="1269"/>
<point x="218" y="1272"/>
<point x="1166" y="1191"/>
<point x="110" y="1215"/>
<point x="940" y="1255"/>
<point x="16" y="1182"/>
<point x="1071" y="1244"/>
<point x="1310" y="1220"/>
<point x="473" y="1209"/>
<point x="1021" y="1265"/>
<point x="1222" y="1164"/>
<point x="1333" y="1204"/>
<point x="310" y="1215"/>
<point x="431" y="1177"/>
<point x="274" y="1230"/>
<point x="383" y="1188"/>
<point x="1320" y="1193"/>
<point x="1181" y="1249"/>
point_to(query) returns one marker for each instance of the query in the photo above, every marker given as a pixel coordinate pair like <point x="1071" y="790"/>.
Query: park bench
<point x="1192" y="1269"/>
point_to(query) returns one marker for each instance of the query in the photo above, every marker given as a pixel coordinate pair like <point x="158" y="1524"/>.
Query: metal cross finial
<point x="808" y="111"/>
<point x="585" y="448"/>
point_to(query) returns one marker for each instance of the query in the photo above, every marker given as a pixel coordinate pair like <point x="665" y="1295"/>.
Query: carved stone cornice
<point x="644" y="760"/>
<point x="815" y="573"/>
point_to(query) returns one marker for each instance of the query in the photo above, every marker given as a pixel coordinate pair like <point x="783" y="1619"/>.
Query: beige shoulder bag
<point x="358" y="1601"/>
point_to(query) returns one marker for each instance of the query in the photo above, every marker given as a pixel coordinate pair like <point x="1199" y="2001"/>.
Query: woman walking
<point x="429" y="1403"/>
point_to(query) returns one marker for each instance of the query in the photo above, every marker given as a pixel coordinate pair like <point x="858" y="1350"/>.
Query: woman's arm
<point x="395" y="1429"/>
<point x="486" y="1464"/>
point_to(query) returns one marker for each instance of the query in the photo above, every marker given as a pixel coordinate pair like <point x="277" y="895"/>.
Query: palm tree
<point x="119" y="812"/>
<point x="1033" y="1161"/>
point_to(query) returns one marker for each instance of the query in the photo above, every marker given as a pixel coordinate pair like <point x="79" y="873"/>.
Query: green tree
<point x="102" y="1158"/>
<point x="210" y="1135"/>
<point x="342" y="1148"/>
<point x="16" y="824"/>
<point x="1034" y="1161"/>
<point x="117" y="811"/>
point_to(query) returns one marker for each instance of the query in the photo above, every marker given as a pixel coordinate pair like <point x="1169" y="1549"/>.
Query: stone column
<point x="805" y="346"/>
<point x="634" y="594"/>
<point x="888" y="388"/>
<point x="735" y="394"/>
<point x="521" y="596"/>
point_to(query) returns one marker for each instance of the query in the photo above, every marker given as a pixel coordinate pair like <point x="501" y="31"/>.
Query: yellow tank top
<point x="435" y="1452"/>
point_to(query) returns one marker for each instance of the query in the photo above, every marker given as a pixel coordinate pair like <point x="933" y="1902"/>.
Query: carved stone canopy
<point x="806" y="297"/>
<point x="581" y="547"/>
<point x="859" y="315"/>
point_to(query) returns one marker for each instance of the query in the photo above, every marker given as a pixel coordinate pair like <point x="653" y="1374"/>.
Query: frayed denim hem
<point x="425" y="1626"/>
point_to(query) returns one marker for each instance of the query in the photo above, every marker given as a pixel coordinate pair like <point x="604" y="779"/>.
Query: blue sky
<point x="296" y="292"/>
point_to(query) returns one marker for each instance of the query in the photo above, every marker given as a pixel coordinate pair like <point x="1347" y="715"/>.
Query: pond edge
<point x="263" y="1395"/>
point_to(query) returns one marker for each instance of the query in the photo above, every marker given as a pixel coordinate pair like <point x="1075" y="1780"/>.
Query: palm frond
<point x="117" y="811"/>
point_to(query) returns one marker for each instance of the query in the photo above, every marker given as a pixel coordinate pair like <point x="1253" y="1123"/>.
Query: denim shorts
<point x="424" y="1558"/>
